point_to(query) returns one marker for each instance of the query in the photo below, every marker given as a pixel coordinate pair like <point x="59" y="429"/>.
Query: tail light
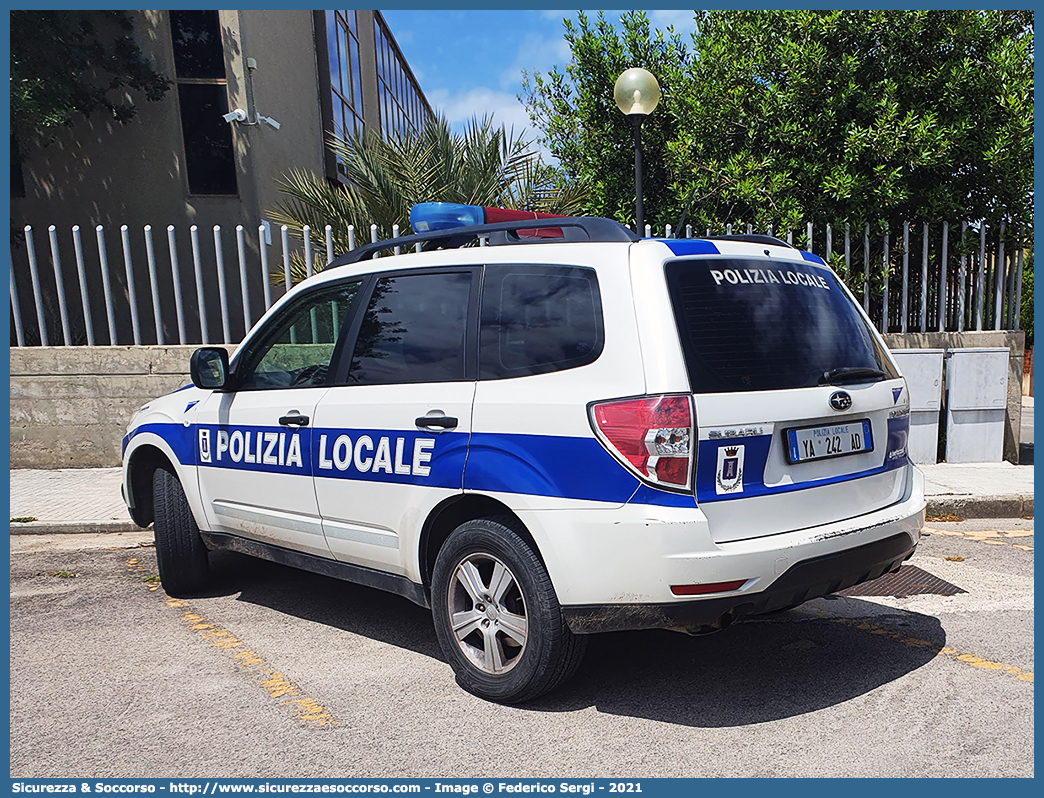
<point x="652" y="436"/>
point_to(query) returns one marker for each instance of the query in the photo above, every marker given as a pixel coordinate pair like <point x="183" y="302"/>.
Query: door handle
<point x="438" y="422"/>
<point x="294" y="419"/>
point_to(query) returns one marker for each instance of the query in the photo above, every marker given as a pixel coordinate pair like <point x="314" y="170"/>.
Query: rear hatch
<point x="801" y="415"/>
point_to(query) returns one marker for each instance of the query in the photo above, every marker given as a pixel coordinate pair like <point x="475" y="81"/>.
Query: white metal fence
<point x="919" y="278"/>
<point x="209" y="294"/>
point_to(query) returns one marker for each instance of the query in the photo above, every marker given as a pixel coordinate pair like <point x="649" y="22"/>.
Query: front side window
<point x="414" y="330"/>
<point x="767" y="325"/>
<point x="297" y="347"/>
<point x="537" y="319"/>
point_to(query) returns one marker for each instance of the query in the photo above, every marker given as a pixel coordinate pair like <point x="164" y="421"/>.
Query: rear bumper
<point x="634" y="562"/>
<point x="806" y="580"/>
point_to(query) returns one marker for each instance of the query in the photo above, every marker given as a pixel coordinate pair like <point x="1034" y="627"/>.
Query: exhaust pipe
<point x="699" y="630"/>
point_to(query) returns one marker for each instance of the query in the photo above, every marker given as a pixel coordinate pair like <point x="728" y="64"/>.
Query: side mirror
<point x="209" y="368"/>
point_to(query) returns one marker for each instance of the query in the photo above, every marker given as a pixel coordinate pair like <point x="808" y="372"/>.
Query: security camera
<point x="239" y="115"/>
<point x="269" y="121"/>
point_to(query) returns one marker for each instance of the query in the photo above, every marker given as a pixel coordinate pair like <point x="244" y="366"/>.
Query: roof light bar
<point x="527" y="231"/>
<point x="428" y="216"/>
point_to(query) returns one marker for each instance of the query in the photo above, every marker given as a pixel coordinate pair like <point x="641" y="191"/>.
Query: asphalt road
<point x="281" y="673"/>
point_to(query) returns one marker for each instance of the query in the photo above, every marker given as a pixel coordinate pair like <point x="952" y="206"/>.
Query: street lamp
<point x="637" y="93"/>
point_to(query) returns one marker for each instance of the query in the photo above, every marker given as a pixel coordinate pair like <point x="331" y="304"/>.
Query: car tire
<point x="181" y="555"/>
<point x="497" y="617"/>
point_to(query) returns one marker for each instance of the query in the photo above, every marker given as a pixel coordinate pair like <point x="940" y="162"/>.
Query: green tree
<point x="66" y="64"/>
<point x="831" y="116"/>
<point x="857" y="115"/>
<point x="582" y="127"/>
<point x="484" y="165"/>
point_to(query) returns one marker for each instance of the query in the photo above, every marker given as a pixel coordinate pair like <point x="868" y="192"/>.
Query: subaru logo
<point x="840" y="400"/>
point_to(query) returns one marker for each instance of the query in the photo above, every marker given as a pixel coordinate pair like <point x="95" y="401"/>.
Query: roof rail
<point x="574" y="228"/>
<point x="752" y="239"/>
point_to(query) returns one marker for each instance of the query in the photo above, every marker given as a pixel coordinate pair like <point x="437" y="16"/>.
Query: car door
<point x="391" y="441"/>
<point x="255" y="440"/>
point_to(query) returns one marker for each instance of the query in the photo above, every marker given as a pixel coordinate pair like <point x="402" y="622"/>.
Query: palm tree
<point x="484" y="165"/>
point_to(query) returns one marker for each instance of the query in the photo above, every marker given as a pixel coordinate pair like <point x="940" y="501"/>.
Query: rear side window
<point x="414" y="330"/>
<point x="538" y="319"/>
<point x="762" y="325"/>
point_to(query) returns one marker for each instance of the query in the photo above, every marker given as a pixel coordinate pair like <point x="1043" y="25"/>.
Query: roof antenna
<point x="685" y="212"/>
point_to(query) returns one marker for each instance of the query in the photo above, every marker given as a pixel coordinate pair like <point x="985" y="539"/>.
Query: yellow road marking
<point x="305" y="710"/>
<point x="993" y="537"/>
<point x="982" y="536"/>
<point x="916" y="642"/>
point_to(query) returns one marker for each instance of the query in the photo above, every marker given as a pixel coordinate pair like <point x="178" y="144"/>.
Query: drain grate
<point x="907" y="581"/>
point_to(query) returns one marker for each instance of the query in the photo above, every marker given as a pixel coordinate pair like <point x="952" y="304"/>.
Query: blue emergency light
<point x="428" y="216"/>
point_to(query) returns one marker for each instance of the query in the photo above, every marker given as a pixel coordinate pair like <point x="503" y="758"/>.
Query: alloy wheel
<point x="488" y="613"/>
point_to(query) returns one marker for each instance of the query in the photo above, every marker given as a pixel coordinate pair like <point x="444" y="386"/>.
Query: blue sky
<point x="470" y="63"/>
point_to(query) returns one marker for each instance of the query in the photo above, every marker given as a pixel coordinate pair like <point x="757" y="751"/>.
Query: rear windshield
<point x="761" y="326"/>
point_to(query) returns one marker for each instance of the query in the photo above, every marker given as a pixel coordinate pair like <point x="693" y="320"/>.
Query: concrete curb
<point x="73" y="527"/>
<point x="1010" y="506"/>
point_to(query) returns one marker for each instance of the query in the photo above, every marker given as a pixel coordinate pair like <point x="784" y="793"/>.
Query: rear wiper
<point x="851" y="374"/>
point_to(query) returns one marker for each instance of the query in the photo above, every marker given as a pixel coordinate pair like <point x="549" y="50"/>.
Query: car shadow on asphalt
<point x="321" y="599"/>
<point x="816" y="656"/>
<point x="758" y="670"/>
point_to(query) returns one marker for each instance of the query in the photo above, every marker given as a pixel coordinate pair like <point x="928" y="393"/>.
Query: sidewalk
<point x="979" y="490"/>
<point x="68" y="500"/>
<point x="88" y="499"/>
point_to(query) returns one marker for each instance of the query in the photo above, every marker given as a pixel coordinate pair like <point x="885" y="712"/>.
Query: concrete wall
<point x="1015" y="343"/>
<point x="70" y="405"/>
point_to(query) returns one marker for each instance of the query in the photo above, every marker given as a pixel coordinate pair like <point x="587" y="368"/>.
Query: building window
<point x="342" y="44"/>
<point x="17" y="178"/>
<point x="401" y="105"/>
<point x="199" y="65"/>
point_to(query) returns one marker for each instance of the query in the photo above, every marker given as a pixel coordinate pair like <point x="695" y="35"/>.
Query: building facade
<point x="295" y="76"/>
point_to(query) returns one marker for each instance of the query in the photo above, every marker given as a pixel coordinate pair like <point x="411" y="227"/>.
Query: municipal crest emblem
<point x="204" y="446"/>
<point x="729" y="475"/>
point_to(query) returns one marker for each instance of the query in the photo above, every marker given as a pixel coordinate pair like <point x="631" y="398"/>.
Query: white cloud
<point x="503" y="106"/>
<point x="478" y="102"/>
<point x="536" y="53"/>
<point x="681" y="20"/>
<point x="571" y="13"/>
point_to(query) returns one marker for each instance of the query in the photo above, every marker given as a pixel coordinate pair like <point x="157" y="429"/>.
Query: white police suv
<point x="565" y="430"/>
